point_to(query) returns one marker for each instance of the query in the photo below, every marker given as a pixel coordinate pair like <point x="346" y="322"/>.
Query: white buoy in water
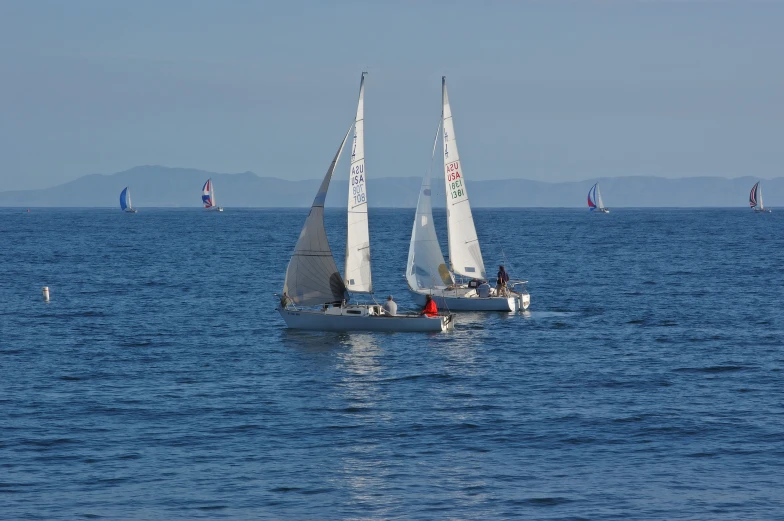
<point x="46" y="293"/>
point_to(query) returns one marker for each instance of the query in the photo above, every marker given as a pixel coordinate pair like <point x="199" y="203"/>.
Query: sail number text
<point x="358" y="183"/>
<point x="454" y="180"/>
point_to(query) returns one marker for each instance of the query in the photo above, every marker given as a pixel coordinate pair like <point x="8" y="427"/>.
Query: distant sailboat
<point x="755" y="199"/>
<point x="125" y="201"/>
<point x="208" y="197"/>
<point x="314" y="294"/>
<point x="426" y="271"/>
<point x="595" y="202"/>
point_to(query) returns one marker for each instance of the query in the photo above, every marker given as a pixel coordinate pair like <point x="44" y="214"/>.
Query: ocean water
<point x="159" y="383"/>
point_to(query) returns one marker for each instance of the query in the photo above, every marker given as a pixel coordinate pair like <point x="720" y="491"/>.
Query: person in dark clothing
<point x="501" y="279"/>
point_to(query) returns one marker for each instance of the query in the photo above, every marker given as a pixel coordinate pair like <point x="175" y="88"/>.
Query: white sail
<point x="426" y="267"/>
<point x="357" y="269"/>
<point x="599" y="202"/>
<point x="130" y="205"/>
<point x="759" y="196"/>
<point x="312" y="277"/>
<point x="465" y="256"/>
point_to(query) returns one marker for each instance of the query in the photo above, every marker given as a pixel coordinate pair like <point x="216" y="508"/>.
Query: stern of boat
<point x="520" y="287"/>
<point x="448" y="322"/>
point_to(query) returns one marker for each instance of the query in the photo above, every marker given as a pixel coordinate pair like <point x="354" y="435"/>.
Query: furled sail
<point x="357" y="275"/>
<point x="465" y="256"/>
<point x="312" y="278"/>
<point x="207" y="196"/>
<point x="426" y="267"/>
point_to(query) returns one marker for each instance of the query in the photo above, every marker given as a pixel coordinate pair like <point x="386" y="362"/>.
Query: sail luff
<point x="312" y="277"/>
<point x="357" y="275"/>
<point x="465" y="255"/>
<point x="426" y="268"/>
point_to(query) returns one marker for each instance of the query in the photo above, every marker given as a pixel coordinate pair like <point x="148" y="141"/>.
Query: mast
<point x="357" y="275"/>
<point x="465" y="255"/>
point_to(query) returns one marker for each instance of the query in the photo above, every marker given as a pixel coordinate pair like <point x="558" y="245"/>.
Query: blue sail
<point x="124" y="198"/>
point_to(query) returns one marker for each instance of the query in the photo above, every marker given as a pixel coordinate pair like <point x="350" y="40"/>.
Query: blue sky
<point x="542" y="90"/>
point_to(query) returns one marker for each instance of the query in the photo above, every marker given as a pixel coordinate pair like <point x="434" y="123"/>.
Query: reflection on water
<point x="312" y="341"/>
<point x="549" y="314"/>
<point x="359" y="364"/>
<point x="361" y="356"/>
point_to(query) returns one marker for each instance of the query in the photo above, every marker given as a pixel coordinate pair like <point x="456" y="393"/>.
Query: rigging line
<point x="507" y="263"/>
<point x="433" y="154"/>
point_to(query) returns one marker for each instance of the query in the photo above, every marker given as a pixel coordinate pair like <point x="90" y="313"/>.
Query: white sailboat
<point x="426" y="271"/>
<point x="125" y="201"/>
<point x="208" y="197"/>
<point x="755" y="199"/>
<point x="595" y="203"/>
<point x="314" y="294"/>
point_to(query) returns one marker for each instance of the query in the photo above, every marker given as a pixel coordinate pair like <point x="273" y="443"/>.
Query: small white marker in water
<point x="46" y="293"/>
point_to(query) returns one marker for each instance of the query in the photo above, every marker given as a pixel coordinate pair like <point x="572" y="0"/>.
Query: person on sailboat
<point x="390" y="306"/>
<point x="501" y="279"/>
<point x="430" y="307"/>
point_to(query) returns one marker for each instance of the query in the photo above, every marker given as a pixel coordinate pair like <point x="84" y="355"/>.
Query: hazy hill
<point x="156" y="186"/>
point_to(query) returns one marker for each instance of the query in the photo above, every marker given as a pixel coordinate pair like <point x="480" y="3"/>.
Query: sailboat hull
<point x="517" y="302"/>
<point x="345" y="319"/>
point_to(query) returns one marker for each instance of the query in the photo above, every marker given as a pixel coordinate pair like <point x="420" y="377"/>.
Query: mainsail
<point x="599" y="201"/>
<point x="312" y="277"/>
<point x="759" y="196"/>
<point x="207" y="194"/>
<point x="426" y="267"/>
<point x="465" y="256"/>
<point x="357" y="274"/>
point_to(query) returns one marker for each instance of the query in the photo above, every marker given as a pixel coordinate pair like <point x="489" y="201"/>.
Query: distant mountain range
<point x="158" y="186"/>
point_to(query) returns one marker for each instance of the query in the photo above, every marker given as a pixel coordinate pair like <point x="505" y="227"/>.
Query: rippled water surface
<point x="159" y="383"/>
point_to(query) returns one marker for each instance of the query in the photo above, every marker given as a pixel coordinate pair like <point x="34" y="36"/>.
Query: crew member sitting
<point x="390" y="306"/>
<point x="430" y="307"/>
